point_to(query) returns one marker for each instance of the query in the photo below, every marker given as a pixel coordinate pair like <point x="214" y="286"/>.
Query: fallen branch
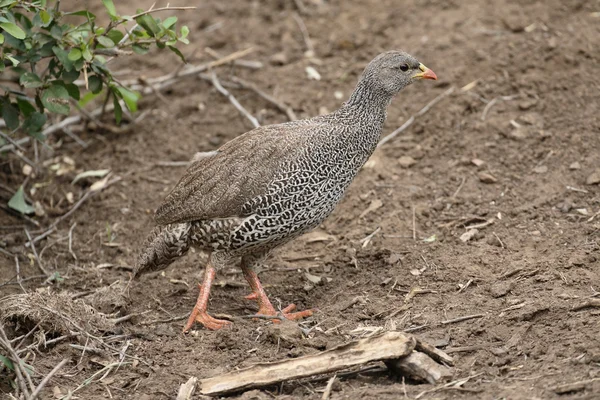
<point x="410" y="121"/>
<point x="387" y="346"/>
<point x="186" y="390"/>
<point x="281" y="106"/>
<point x="419" y="366"/>
<point x="47" y="378"/>
<point x="233" y="100"/>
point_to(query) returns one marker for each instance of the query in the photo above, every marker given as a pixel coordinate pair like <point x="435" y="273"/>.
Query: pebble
<point x="593" y="178"/>
<point x="500" y="289"/>
<point x="486" y="178"/>
<point x="540" y="169"/>
<point x="575" y="165"/>
<point x="279" y="59"/>
<point x="406" y="161"/>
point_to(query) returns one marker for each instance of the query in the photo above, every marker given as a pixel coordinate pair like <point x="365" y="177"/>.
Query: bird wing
<point x="218" y="185"/>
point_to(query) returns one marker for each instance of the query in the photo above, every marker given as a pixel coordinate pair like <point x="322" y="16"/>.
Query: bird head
<point x="393" y="70"/>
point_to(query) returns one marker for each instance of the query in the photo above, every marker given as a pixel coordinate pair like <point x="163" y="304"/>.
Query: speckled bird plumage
<point x="275" y="182"/>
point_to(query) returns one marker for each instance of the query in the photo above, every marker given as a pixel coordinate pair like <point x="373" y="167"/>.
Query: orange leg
<point x="199" y="313"/>
<point x="264" y="305"/>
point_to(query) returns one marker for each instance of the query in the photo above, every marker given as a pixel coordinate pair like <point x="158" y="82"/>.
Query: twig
<point x="501" y="243"/>
<point x="456" y="383"/>
<point x="414" y="224"/>
<point x="164" y="321"/>
<point x="47" y="378"/>
<point x="410" y="121"/>
<point x="186" y="390"/>
<point x="588" y="304"/>
<point x="365" y="241"/>
<point x="233" y="100"/>
<point x="85" y="197"/>
<point x="240" y="62"/>
<point x="35" y="253"/>
<point x="464" y="179"/>
<point x="17" y="363"/>
<point x="280" y="105"/>
<point x="18" y="268"/>
<point x="328" y="388"/>
<point x="71" y="241"/>
<point x="489" y="105"/>
<point x="310" y="50"/>
<point x="153" y="10"/>
<point x="460" y="319"/>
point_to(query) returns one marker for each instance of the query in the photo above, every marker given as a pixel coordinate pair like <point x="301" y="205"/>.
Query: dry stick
<point x="410" y="121"/>
<point x="383" y="347"/>
<point x="47" y="378"/>
<point x="489" y="105"/>
<point x="35" y="253"/>
<point x="71" y="241"/>
<point x="240" y="63"/>
<point x="17" y="363"/>
<point x="18" y="268"/>
<point x="309" y="46"/>
<point x="280" y="105"/>
<point x="460" y="319"/>
<point x="328" y="388"/>
<point x="233" y="100"/>
<point x="85" y="197"/>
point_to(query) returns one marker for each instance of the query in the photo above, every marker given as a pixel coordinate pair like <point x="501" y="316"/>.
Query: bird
<point x="271" y="185"/>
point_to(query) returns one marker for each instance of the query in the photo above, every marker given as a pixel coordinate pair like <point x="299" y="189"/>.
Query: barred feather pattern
<point x="274" y="183"/>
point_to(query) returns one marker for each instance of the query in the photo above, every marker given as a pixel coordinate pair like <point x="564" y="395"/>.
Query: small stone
<point x="519" y="133"/>
<point x="279" y="59"/>
<point x="575" y="165"/>
<point x="593" y="178"/>
<point x="527" y="104"/>
<point x="500" y="289"/>
<point x="27" y="169"/>
<point x="540" y="169"/>
<point x="565" y="206"/>
<point x="468" y="235"/>
<point x="477" y="162"/>
<point x="406" y="161"/>
<point x="312" y="73"/>
<point x="492" y="240"/>
<point x="338" y="95"/>
<point x="486" y="178"/>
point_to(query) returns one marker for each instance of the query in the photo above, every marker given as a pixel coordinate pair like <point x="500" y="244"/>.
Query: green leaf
<point x="169" y="22"/>
<point x="56" y="99"/>
<point x="74" y="54"/>
<point x="176" y="51"/>
<point x="25" y="106"/>
<point x="149" y="24"/>
<point x="63" y="57"/>
<point x="89" y="96"/>
<point x="34" y="123"/>
<point x="115" y="35"/>
<point x="70" y="76"/>
<point x="10" y="114"/>
<point x="30" y="80"/>
<point x="7" y="362"/>
<point x="83" y="13"/>
<point x="1" y="38"/>
<point x="118" y="109"/>
<point x="110" y="7"/>
<point x="13" y="60"/>
<point x="140" y="49"/>
<point x="95" y="84"/>
<point x="46" y="18"/>
<point x="2" y="66"/>
<point x="129" y="97"/>
<point x="185" y="31"/>
<point x="18" y="203"/>
<point x="73" y="90"/>
<point x="87" y="54"/>
<point x="105" y="41"/>
<point x="13" y="30"/>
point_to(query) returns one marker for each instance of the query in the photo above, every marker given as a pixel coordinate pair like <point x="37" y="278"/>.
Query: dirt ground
<point x="513" y="151"/>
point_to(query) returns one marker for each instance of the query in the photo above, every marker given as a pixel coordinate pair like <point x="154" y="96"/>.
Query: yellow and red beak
<point x="425" y="73"/>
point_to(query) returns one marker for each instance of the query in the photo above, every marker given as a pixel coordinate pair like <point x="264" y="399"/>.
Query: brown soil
<point x="523" y="273"/>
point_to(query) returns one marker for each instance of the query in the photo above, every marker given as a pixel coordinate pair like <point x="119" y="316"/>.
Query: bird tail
<point x="164" y="245"/>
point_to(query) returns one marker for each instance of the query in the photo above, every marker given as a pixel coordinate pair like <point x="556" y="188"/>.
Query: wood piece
<point x="420" y="367"/>
<point x="387" y="346"/>
<point x="186" y="390"/>
<point x="574" y="387"/>
<point x="433" y="352"/>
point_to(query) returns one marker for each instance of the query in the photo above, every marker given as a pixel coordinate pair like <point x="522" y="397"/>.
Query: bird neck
<point x="368" y="102"/>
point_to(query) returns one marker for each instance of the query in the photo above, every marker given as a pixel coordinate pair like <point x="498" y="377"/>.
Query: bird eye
<point x="404" y="67"/>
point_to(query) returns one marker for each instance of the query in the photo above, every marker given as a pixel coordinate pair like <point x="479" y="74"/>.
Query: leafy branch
<point x="42" y="54"/>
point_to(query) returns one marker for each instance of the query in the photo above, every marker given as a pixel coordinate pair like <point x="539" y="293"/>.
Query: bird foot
<point x="285" y="313"/>
<point x="206" y="320"/>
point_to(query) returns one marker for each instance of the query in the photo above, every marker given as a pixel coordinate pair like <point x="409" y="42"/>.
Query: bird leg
<point x="264" y="304"/>
<point x="199" y="313"/>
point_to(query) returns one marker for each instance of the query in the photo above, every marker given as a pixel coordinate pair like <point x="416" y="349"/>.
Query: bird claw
<point x="285" y="313"/>
<point x="206" y="320"/>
